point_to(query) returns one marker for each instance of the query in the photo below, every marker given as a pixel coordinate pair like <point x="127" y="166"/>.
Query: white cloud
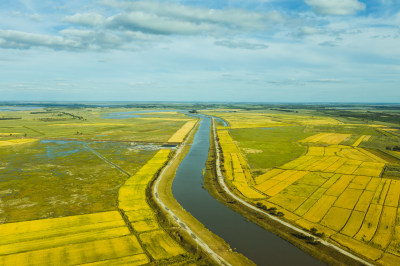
<point x="335" y="7"/>
<point x="86" y="19"/>
<point x="154" y="24"/>
<point x="169" y="18"/>
<point x="24" y="40"/>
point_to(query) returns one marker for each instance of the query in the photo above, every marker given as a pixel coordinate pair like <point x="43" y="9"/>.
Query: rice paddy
<point x="335" y="185"/>
<point x="13" y="142"/>
<point x="92" y="206"/>
<point x="180" y="135"/>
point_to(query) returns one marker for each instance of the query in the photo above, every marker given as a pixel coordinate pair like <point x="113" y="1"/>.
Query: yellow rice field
<point x="320" y="208"/>
<point x="160" y="245"/>
<point x="12" y="142"/>
<point x="99" y="238"/>
<point x="353" y="224"/>
<point x="329" y="138"/>
<point x="242" y="119"/>
<point x="236" y="169"/>
<point x="361" y="139"/>
<point x="336" y="218"/>
<point x="180" y="135"/>
<point x="334" y="188"/>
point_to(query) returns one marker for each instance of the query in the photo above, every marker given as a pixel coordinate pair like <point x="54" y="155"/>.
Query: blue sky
<point x="189" y="50"/>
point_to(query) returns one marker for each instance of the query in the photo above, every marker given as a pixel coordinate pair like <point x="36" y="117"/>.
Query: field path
<point x="245" y="203"/>
<point x="107" y="161"/>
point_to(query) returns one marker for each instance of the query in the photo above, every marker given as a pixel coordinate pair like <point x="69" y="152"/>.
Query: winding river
<point x="253" y="241"/>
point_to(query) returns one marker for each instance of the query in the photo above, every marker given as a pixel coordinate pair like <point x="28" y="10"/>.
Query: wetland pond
<point x="253" y="241"/>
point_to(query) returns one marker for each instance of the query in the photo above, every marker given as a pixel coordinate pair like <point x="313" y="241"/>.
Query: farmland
<point x="73" y="188"/>
<point x="330" y="177"/>
<point x="75" y="182"/>
<point x="99" y="236"/>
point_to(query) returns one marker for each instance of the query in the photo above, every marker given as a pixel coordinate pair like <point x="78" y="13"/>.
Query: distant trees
<point x="395" y="148"/>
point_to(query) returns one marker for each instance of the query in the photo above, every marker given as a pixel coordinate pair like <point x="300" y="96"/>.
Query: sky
<point x="200" y="50"/>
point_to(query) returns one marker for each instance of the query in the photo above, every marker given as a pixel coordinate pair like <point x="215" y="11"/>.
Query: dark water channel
<point x="256" y="243"/>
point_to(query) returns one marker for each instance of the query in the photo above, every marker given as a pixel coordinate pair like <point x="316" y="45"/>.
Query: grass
<point x="72" y="179"/>
<point x="275" y="146"/>
<point x="75" y="177"/>
<point x="78" y="181"/>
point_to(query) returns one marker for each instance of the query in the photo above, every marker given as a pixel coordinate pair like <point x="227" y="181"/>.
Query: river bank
<point x="175" y="229"/>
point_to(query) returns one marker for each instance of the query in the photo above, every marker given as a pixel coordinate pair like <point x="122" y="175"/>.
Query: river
<point x="253" y="241"/>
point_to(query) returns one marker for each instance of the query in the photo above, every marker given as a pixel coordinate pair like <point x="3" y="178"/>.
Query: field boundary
<point x="269" y="216"/>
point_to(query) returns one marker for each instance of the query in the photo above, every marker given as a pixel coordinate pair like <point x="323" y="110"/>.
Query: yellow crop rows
<point x="358" y="247"/>
<point x="361" y="139"/>
<point x="160" y="245"/>
<point x="12" y="142"/>
<point x="334" y="188"/>
<point x="236" y="169"/>
<point x="360" y="182"/>
<point x="320" y="208"/>
<point x="348" y="198"/>
<point x="97" y="239"/>
<point x="180" y="135"/>
<point x="68" y="240"/>
<point x="132" y="200"/>
<point x="370" y="223"/>
<point x="337" y="188"/>
<point x="385" y="231"/>
<point x="79" y="253"/>
<point x="285" y="183"/>
<point x="328" y="138"/>
<point x="392" y="197"/>
<point x="264" y="177"/>
<point x="336" y="218"/>
<point x="364" y="201"/>
<point x="354" y="223"/>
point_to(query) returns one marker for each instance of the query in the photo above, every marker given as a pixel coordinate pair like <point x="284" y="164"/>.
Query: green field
<point x="269" y="147"/>
<point x="341" y="179"/>
<point x="91" y="124"/>
<point x="78" y="160"/>
<point x="74" y="180"/>
<point x="55" y="179"/>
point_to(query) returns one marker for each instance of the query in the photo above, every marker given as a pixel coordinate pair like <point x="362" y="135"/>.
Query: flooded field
<point x="54" y="178"/>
